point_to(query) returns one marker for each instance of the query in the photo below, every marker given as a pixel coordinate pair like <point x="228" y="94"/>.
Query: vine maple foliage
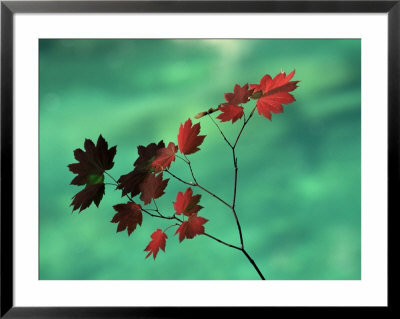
<point x="146" y="180"/>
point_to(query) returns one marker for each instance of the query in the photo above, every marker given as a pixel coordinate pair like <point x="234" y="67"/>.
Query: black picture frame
<point x="9" y="8"/>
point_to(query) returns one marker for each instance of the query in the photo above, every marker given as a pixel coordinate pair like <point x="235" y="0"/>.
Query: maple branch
<point x="222" y="242"/>
<point x="179" y="179"/>
<point x="196" y="184"/>
<point x="181" y="221"/>
<point x="152" y="215"/>
<point x="253" y="263"/>
<point x="235" y="178"/>
<point x="235" y="161"/>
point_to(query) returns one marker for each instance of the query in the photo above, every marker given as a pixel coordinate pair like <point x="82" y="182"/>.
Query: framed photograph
<point x="160" y="155"/>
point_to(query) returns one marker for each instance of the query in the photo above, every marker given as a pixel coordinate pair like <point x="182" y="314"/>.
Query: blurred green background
<point x="299" y="187"/>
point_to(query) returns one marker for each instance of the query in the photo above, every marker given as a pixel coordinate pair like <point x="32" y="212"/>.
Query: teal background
<point x="299" y="187"/>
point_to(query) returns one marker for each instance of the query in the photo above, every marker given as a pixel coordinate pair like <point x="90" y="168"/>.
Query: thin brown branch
<point x="243" y="126"/>
<point x="219" y="129"/>
<point x="179" y="179"/>
<point x="222" y="242"/>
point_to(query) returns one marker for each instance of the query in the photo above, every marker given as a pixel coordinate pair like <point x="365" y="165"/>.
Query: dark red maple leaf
<point x="164" y="157"/>
<point x="128" y="216"/>
<point x="186" y="203"/>
<point x="91" y="193"/>
<point x="189" y="138"/>
<point x="192" y="227"/>
<point x="230" y="112"/>
<point x="275" y="92"/>
<point x="152" y="187"/>
<point x="93" y="161"/>
<point x="147" y="154"/>
<point x="158" y="241"/>
<point x="130" y="183"/>
<point x="240" y="95"/>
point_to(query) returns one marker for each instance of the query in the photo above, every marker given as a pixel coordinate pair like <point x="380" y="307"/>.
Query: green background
<point x="299" y="187"/>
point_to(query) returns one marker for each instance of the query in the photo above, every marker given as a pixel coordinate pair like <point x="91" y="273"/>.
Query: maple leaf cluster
<point x="146" y="179"/>
<point x="271" y="94"/>
<point x="187" y="204"/>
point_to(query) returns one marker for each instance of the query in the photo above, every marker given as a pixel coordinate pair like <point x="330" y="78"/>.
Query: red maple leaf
<point x="93" y="161"/>
<point x="152" y="187"/>
<point x="189" y="138"/>
<point x="192" y="227"/>
<point x="147" y="154"/>
<point x="164" y="157"/>
<point x="275" y="92"/>
<point x="128" y="216"/>
<point x="187" y="203"/>
<point x="91" y="193"/>
<point x="230" y="112"/>
<point x="130" y="183"/>
<point x="240" y="95"/>
<point x="157" y="242"/>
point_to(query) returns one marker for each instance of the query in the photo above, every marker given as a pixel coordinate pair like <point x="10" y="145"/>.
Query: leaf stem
<point x="223" y="135"/>
<point x="113" y="184"/>
<point x="243" y="126"/>
<point x="111" y="177"/>
<point x="176" y="224"/>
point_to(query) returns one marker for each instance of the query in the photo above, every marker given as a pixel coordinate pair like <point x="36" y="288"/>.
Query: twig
<point x="223" y="135"/>
<point x="179" y="179"/>
<point x="244" y="124"/>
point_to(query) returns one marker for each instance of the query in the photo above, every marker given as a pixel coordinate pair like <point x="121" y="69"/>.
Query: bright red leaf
<point x="275" y="92"/>
<point x="189" y="138"/>
<point x="152" y="187"/>
<point x="164" y="157"/>
<point x="240" y="95"/>
<point x="92" y="162"/>
<point x="128" y="216"/>
<point x="91" y="193"/>
<point x="158" y="240"/>
<point x="192" y="227"/>
<point x="230" y="112"/>
<point x="186" y="203"/>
